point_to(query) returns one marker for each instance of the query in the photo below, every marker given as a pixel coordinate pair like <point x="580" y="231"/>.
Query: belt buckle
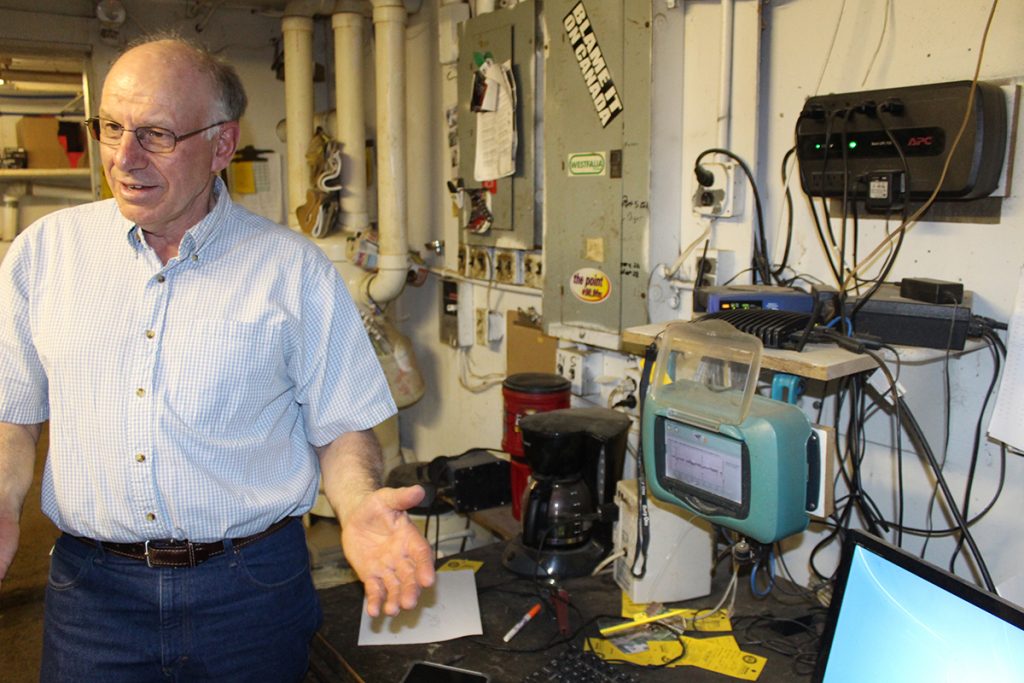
<point x="146" y="554"/>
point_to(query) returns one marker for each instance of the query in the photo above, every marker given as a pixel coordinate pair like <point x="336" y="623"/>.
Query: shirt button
<point x="140" y="392"/>
<point x="161" y="279"/>
<point x="140" y="457"/>
<point x="150" y="334"/>
<point x="150" y="517"/>
<point x="195" y="257"/>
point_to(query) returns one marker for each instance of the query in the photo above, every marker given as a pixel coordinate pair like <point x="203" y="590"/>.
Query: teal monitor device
<point x="715" y="447"/>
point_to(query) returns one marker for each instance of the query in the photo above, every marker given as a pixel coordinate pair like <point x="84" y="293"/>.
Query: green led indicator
<point x="853" y="144"/>
<point x="817" y="145"/>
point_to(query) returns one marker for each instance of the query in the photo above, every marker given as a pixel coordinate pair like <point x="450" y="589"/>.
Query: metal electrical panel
<point x="503" y="36"/>
<point x="597" y="140"/>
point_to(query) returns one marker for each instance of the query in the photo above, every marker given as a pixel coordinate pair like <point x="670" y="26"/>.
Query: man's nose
<point x="128" y="152"/>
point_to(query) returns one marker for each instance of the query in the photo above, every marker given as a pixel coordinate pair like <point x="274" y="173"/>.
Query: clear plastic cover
<point x="706" y="372"/>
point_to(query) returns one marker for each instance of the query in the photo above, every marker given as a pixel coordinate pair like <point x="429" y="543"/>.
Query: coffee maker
<point x="576" y="456"/>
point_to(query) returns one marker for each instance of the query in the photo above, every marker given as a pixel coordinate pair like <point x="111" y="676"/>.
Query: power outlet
<point x="705" y="271"/>
<point x="722" y="198"/>
<point x="712" y="266"/>
<point x="571" y="364"/>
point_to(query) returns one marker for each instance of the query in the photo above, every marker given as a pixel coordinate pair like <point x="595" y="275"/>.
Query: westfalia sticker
<point x="587" y="163"/>
<point x="592" y="65"/>
<point x="590" y="285"/>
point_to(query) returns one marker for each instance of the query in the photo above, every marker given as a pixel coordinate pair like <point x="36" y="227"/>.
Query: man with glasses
<point x="200" y="368"/>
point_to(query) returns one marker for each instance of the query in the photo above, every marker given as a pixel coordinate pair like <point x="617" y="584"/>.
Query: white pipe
<point x="9" y="220"/>
<point x="484" y="6"/>
<point x="298" y="89"/>
<point x="725" y="75"/>
<point x="389" y="62"/>
<point x="351" y="121"/>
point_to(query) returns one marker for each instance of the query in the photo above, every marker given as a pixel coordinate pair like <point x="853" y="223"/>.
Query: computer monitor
<point x="895" y="617"/>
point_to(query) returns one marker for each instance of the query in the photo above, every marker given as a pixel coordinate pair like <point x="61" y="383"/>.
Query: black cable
<point x="904" y="219"/>
<point x="784" y="262"/>
<point x="643" y="517"/>
<point x="761" y="260"/>
<point x="915" y="430"/>
<point x="997" y="366"/>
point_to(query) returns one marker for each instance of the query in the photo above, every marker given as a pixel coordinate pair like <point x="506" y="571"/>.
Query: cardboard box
<point x="528" y="349"/>
<point x="38" y="135"/>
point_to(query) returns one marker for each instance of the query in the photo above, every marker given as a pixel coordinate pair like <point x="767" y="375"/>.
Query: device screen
<point x="704" y="460"/>
<point x="428" y="672"/>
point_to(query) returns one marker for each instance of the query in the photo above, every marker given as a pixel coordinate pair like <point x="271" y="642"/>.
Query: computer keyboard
<point x="573" y="665"/>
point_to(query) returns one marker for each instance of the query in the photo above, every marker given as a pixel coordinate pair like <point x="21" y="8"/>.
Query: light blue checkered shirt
<point x="182" y="399"/>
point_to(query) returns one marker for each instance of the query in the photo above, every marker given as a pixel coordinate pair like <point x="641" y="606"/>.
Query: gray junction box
<point x="597" y="141"/>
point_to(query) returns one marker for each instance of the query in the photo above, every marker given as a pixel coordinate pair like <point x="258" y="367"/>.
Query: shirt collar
<point x="200" y="234"/>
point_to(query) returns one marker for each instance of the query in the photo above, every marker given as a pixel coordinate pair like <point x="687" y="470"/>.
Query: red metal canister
<point x="524" y="394"/>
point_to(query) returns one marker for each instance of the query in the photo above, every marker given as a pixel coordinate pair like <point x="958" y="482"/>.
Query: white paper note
<point x="496" y="137"/>
<point x="448" y="609"/>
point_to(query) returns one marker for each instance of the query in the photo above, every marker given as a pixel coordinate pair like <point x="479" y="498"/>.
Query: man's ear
<point x="227" y="142"/>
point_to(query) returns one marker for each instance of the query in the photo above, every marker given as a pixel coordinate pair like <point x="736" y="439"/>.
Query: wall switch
<point x="466" y="321"/>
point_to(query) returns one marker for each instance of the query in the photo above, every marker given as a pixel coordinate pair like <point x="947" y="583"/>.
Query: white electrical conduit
<point x="350" y="118"/>
<point x="388" y="281"/>
<point x="725" y="74"/>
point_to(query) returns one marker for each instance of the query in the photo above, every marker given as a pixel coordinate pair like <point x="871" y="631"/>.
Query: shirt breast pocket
<point x="226" y="377"/>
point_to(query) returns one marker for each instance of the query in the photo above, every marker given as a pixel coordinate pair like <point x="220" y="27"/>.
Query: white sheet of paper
<point x="447" y="610"/>
<point x="496" y="137"/>
<point x="1006" y="424"/>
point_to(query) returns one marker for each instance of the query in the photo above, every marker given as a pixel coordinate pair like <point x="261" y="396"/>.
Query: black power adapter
<point x="932" y="291"/>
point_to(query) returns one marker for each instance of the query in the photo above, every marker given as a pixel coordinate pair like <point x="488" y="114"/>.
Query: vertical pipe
<point x="9" y="218"/>
<point x="389" y="63"/>
<point x="298" y="87"/>
<point x="351" y="121"/>
<point x="725" y="75"/>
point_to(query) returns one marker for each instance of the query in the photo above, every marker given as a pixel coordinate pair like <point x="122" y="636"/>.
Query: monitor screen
<point x="704" y="464"/>
<point x="895" y="617"/>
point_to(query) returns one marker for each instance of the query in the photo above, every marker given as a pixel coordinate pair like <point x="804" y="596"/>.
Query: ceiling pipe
<point x="350" y="117"/>
<point x="389" y="59"/>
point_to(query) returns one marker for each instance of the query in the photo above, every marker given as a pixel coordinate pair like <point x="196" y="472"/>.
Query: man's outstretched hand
<point x="387" y="551"/>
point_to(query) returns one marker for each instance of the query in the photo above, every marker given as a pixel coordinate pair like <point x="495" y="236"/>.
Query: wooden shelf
<point x="817" y="361"/>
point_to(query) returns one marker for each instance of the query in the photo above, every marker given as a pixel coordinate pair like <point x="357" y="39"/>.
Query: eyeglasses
<point x="151" y="138"/>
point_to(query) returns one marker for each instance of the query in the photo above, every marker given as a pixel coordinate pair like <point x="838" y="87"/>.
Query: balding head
<point x="190" y="60"/>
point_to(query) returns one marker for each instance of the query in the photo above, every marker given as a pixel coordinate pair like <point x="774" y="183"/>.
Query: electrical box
<point x="854" y="143"/>
<point x="457" y="319"/>
<point x="679" y="553"/>
<point x="597" y="140"/>
<point x="499" y="212"/>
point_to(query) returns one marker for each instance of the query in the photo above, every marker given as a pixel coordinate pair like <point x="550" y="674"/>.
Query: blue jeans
<point x="246" y="615"/>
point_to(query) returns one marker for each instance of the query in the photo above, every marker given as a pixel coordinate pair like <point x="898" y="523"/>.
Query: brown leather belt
<point x="171" y="553"/>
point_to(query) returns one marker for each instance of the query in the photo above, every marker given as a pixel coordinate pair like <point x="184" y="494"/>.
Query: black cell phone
<point x="429" y="672"/>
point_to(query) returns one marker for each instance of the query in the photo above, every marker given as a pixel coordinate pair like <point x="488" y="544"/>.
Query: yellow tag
<point x="243" y="177"/>
<point x="457" y="565"/>
<point x="720" y="654"/>
<point x="719" y="621"/>
<point x="630" y="609"/>
<point x="606" y="650"/>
